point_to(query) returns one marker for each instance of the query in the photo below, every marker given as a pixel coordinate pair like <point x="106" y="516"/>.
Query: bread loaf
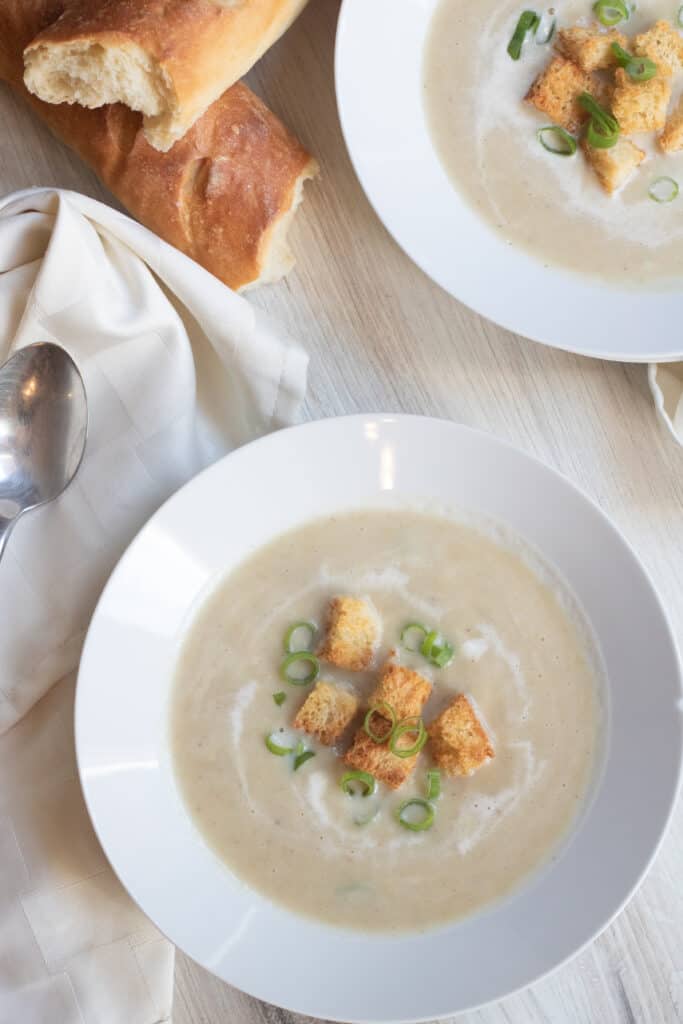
<point x="224" y="195"/>
<point x="169" y="59"/>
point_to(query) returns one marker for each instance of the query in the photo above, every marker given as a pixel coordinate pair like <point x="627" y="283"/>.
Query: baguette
<point x="168" y="59"/>
<point x="225" y="195"/>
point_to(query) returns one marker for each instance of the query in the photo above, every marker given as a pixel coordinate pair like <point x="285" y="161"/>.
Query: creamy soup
<point x="486" y="138"/>
<point x="523" y="657"/>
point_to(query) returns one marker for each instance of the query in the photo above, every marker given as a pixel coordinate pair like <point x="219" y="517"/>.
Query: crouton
<point x="377" y="759"/>
<point x="662" y="44"/>
<point x="671" y="138"/>
<point x="588" y="48"/>
<point x="406" y="691"/>
<point x="352" y="633"/>
<point x="614" y="166"/>
<point x="640" y="106"/>
<point x="458" y="742"/>
<point x="326" y="712"/>
<point x="556" y="90"/>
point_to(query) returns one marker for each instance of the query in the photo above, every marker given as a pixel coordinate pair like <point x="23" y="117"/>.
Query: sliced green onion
<point x="408" y="725"/>
<point x="611" y="12"/>
<point x="663" y="190"/>
<point x="528" y="22"/>
<point x="679" y="17"/>
<point x="276" y="748"/>
<point x="436" y="649"/>
<point x="413" y="627"/>
<point x="302" y="758"/>
<point x="378" y="708"/>
<point x="365" y="779"/>
<point x="295" y="658"/>
<point x="422" y="823"/>
<point x="603" y="128"/>
<point x="639" y="69"/>
<point x="290" y="644"/>
<point x="280" y="697"/>
<point x="599" y="139"/>
<point x="544" y="37"/>
<point x="433" y="785"/>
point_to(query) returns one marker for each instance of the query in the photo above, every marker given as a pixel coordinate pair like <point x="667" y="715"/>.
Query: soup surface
<point x="523" y="657"/>
<point x="550" y="205"/>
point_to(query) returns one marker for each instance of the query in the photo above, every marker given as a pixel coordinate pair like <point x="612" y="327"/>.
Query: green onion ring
<point x="413" y="626"/>
<point x="437" y="650"/>
<point x="408" y="725"/>
<point x="292" y="659"/>
<point x="544" y="39"/>
<point x="433" y="784"/>
<point x="368" y="718"/>
<point x="301" y="758"/>
<point x="275" y="748"/>
<point x="656" y="194"/>
<point x="528" y="22"/>
<point x="638" y="69"/>
<point x="603" y="127"/>
<point x="611" y="12"/>
<point x="416" y="826"/>
<point x="288" y="642"/>
<point x="280" y="697"/>
<point x="679" y="17"/>
<point x="366" y="780"/>
<point x="641" y="69"/>
<point x="598" y="139"/>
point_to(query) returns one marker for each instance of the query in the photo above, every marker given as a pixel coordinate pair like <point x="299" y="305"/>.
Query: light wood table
<point x="383" y="338"/>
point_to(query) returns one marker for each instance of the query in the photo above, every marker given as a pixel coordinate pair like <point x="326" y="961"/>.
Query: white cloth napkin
<point x="178" y="370"/>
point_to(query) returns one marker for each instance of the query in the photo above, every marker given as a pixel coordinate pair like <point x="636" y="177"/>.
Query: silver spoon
<point x="43" y="426"/>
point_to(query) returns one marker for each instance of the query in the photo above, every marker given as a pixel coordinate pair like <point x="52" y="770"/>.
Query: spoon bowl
<point x="43" y="428"/>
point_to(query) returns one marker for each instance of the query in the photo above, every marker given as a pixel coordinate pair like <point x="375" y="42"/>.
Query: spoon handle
<point x="5" y="528"/>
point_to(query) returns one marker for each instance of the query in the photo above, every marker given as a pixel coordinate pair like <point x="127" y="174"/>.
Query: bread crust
<point x="377" y="759"/>
<point x="556" y="90"/>
<point x="457" y="739"/>
<point x="640" y="106"/>
<point x="589" y="48"/>
<point x="613" y="167"/>
<point x="404" y="690"/>
<point x="352" y="633"/>
<point x="219" y="195"/>
<point x="192" y="51"/>
<point x="327" y="712"/>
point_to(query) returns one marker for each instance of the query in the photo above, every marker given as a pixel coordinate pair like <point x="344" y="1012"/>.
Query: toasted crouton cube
<point x="406" y="691"/>
<point x="556" y="90"/>
<point x="640" y="106"/>
<point x="614" y="166"/>
<point x="458" y="741"/>
<point x="352" y="633"/>
<point x="662" y="44"/>
<point x="671" y="138"/>
<point x="377" y="759"/>
<point x="326" y="712"/>
<point x="590" y="49"/>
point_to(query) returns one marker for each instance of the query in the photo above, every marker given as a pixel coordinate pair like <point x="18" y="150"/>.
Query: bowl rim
<point x="398" y="421"/>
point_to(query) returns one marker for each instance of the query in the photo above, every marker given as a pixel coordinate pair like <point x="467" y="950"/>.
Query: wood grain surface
<point x="383" y="338"/>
